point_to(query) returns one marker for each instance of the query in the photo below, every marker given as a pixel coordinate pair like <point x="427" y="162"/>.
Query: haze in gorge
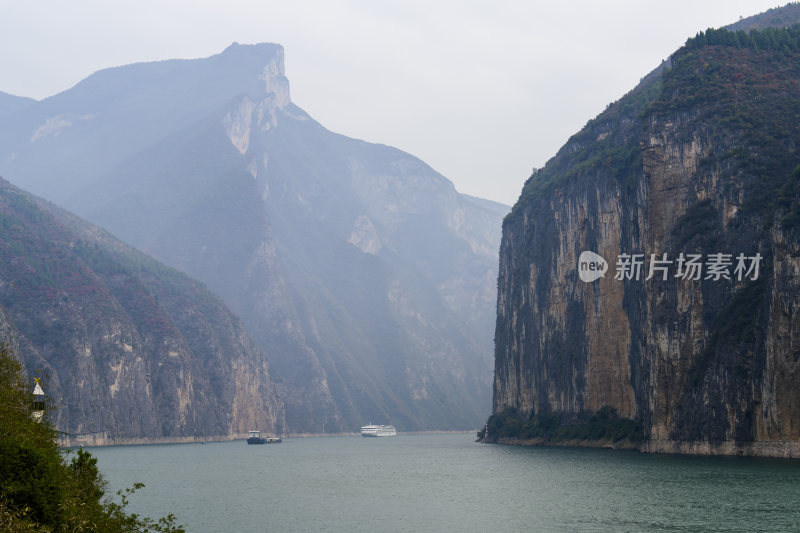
<point x="188" y="255"/>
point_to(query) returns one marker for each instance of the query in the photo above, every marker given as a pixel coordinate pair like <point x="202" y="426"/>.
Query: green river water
<point x="447" y="482"/>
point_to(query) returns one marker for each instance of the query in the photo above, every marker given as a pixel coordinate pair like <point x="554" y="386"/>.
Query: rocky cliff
<point x="688" y="190"/>
<point x="127" y="348"/>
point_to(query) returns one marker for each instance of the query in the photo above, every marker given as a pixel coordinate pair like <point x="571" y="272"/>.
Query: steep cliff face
<point x="700" y="159"/>
<point x="127" y="348"/>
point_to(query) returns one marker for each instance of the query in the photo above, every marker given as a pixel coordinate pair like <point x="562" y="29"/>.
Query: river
<point x="447" y="482"/>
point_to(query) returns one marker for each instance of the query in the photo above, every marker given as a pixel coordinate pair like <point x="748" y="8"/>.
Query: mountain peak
<point x="268" y="59"/>
<point x="257" y="49"/>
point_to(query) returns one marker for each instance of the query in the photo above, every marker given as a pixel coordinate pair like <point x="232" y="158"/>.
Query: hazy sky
<point x="481" y="91"/>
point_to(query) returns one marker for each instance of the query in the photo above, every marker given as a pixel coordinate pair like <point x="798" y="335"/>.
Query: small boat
<point x="372" y="430"/>
<point x="254" y="437"/>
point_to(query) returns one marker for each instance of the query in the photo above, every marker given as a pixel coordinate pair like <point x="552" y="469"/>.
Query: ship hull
<point x="378" y="431"/>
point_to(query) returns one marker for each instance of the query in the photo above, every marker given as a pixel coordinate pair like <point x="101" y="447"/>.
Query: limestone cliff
<point x="127" y="348"/>
<point x="700" y="159"/>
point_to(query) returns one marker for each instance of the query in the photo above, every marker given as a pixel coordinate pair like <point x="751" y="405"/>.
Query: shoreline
<point x="97" y="440"/>
<point x="765" y="449"/>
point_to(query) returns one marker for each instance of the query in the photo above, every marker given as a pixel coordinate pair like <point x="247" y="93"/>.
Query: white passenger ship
<point x="378" y="431"/>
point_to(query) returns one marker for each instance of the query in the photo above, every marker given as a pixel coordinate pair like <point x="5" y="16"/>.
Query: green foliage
<point x="699" y="219"/>
<point x="736" y="324"/>
<point x="776" y="39"/>
<point x="604" y="424"/>
<point x="744" y="91"/>
<point x="39" y="490"/>
<point x="786" y="199"/>
<point x="29" y="473"/>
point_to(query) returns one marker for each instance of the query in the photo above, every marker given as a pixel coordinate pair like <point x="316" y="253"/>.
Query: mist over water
<point x="450" y="483"/>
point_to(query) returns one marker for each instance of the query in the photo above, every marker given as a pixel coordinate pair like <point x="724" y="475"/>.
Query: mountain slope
<point x="10" y="104"/>
<point x="361" y="271"/>
<point x="128" y="348"/>
<point x="700" y="159"/>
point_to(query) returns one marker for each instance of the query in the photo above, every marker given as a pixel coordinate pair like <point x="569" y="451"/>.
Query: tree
<point x="39" y="490"/>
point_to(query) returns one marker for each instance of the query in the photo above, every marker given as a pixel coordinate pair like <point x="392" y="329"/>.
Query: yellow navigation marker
<point x="38" y="404"/>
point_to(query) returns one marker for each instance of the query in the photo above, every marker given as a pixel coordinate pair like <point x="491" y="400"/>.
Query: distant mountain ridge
<point x="778" y="17"/>
<point x="126" y="348"/>
<point x="11" y="104"/>
<point x="366" y="277"/>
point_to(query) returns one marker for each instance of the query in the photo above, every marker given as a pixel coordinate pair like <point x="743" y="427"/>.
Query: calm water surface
<point x="449" y="483"/>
